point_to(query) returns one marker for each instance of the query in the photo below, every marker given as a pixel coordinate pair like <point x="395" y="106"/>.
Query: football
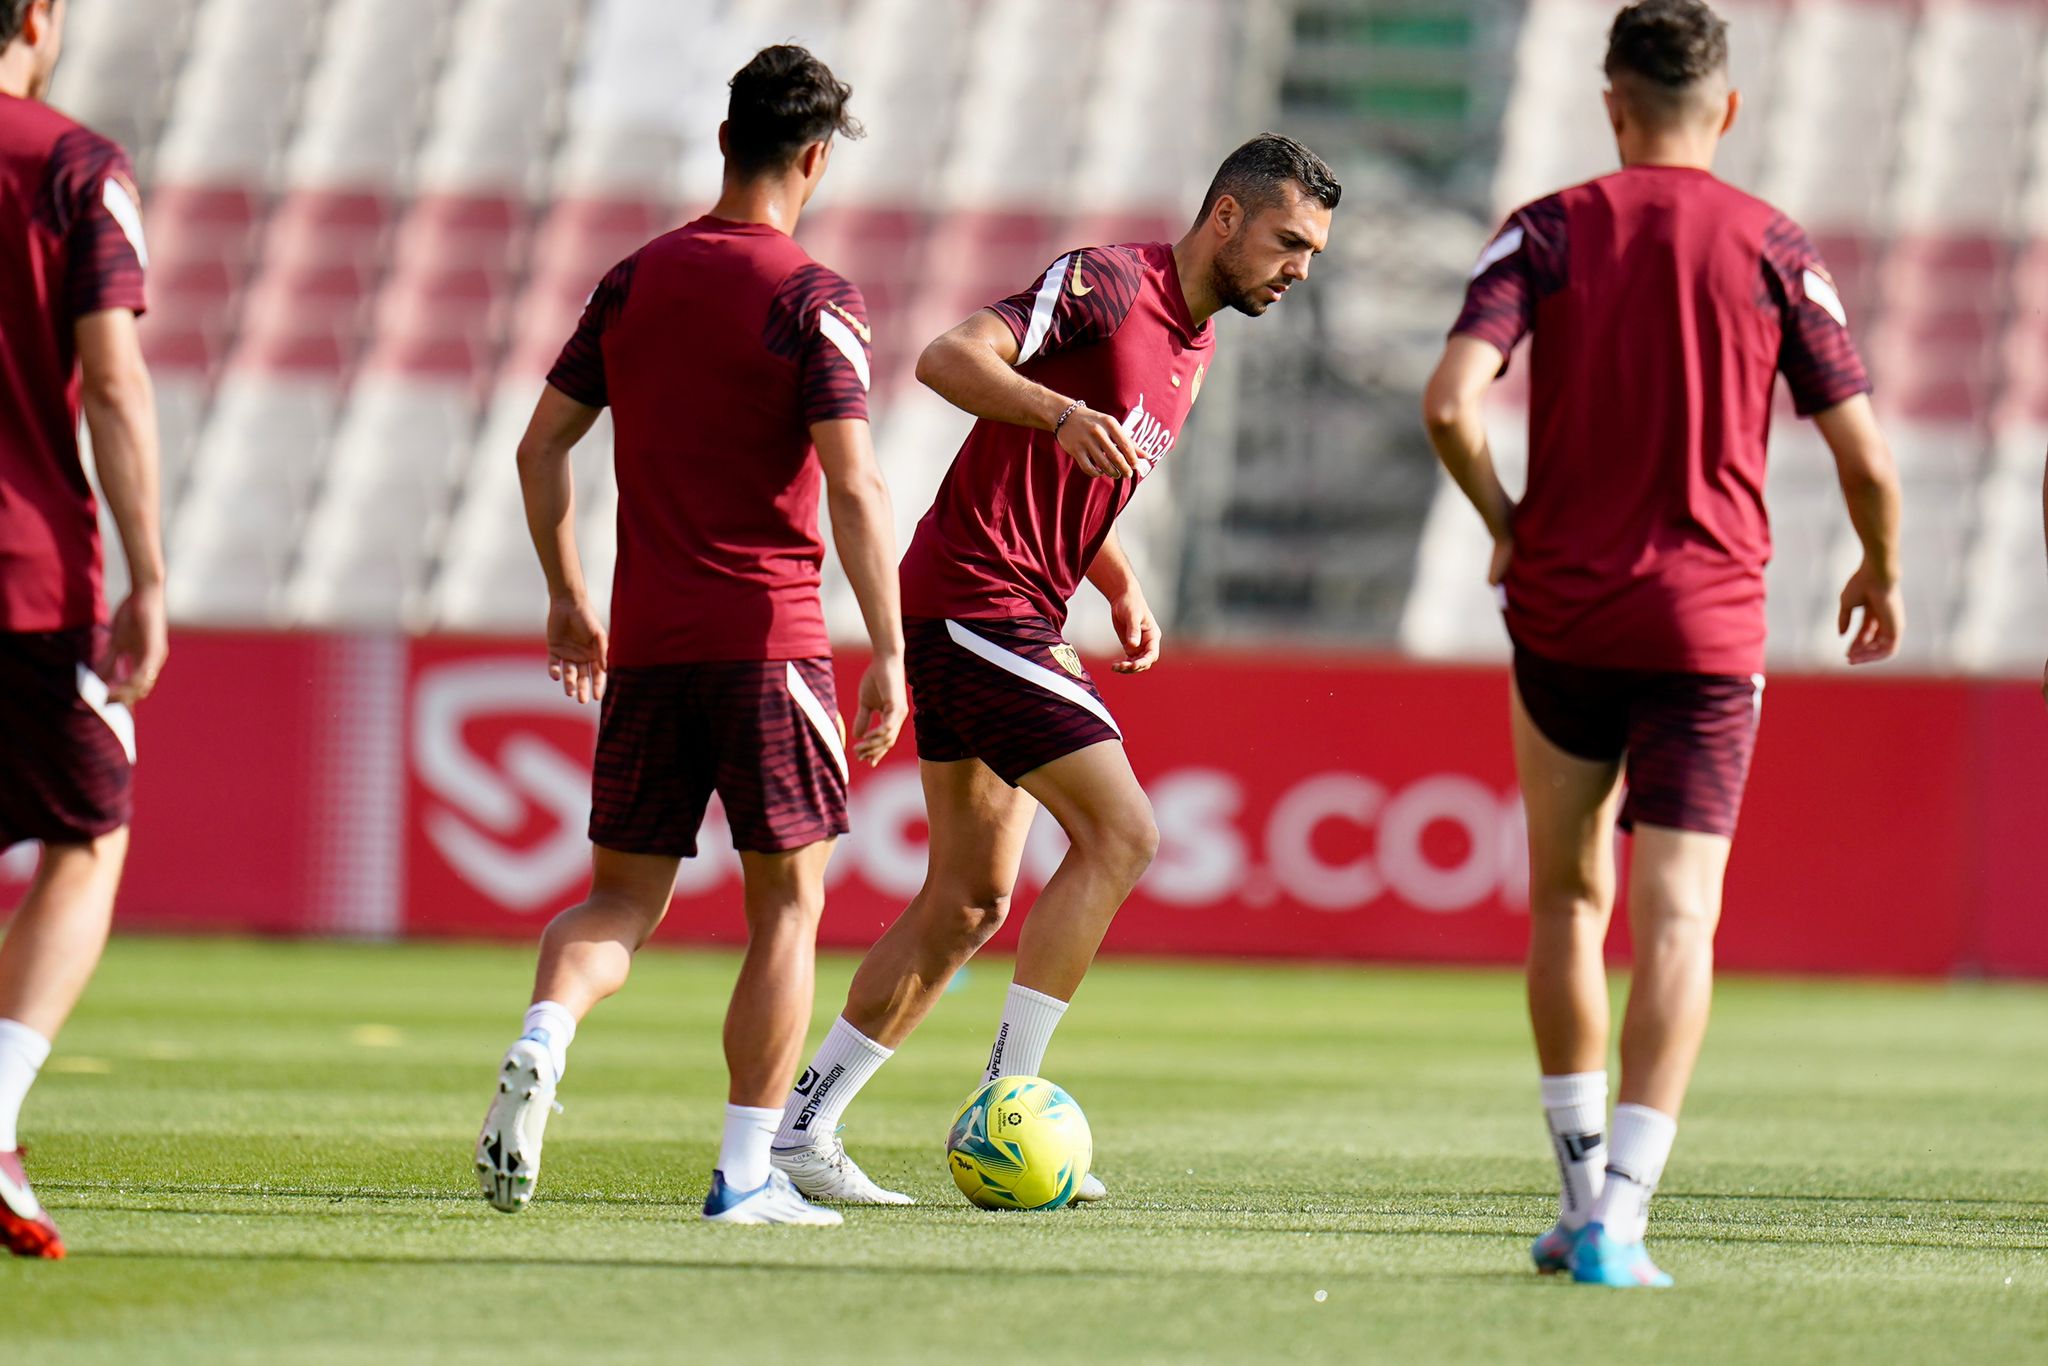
<point x="1019" y="1143"/>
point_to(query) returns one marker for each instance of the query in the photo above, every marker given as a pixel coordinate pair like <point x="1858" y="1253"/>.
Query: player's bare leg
<point x="585" y="955"/>
<point x="771" y="1002"/>
<point x="54" y="941"/>
<point x="764" y="1036"/>
<point x="978" y="827"/>
<point x="979" y="824"/>
<point x="1674" y="897"/>
<point x="1674" y="906"/>
<point x="1096" y="799"/>
<point x="1108" y="821"/>
<point x="1571" y="805"/>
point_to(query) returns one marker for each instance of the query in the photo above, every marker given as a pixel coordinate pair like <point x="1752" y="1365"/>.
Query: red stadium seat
<point x="1946" y="274"/>
<point x="584" y="238"/>
<point x="325" y="226"/>
<point x="444" y="230"/>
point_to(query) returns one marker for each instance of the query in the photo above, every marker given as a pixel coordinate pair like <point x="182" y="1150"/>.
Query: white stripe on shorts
<point x="1032" y="673"/>
<point x="821" y="720"/>
<point x="119" y="719"/>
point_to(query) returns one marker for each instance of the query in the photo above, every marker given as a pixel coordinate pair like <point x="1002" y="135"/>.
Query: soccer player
<point x="1081" y="385"/>
<point x="71" y="277"/>
<point x="736" y="368"/>
<point x="1663" y="304"/>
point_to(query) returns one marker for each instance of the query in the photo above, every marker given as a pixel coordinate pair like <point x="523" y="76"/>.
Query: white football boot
<point x="774" y="1201"/>
<point x="508" y="1149"/>
<point x="823" y="1171"/>
<point x="1091" y="1189"/>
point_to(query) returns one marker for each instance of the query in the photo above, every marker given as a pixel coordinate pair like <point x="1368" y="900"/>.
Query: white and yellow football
<point x="1019" y="1143"/>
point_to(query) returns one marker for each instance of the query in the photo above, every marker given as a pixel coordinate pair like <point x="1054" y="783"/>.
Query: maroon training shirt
<point x="70" y="245"/>
<point x="1664" y="305"/>
<point x="1016" y="523"/>
<point x="717" y="347"/>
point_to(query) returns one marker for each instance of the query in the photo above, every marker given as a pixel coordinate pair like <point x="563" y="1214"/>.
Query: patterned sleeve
<point x="1818" y="356"/>
<point x="820" y="322"/>
<point x="579" y="370"/>
<point x="97" y="206"/>
<point x="1521" y="267"/>
<point x="1083" y="297"/>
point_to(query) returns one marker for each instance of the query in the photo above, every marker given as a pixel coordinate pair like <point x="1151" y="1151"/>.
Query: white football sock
<point x="22" y="1054"/>
<point x="1029" y="1018"/>
<point x="549" y="1024"/>
<point x="743" y="1153"/>
<point x="844" y="1063"/>
<point x="1575" y="1103"/>
<point x="1635" y="1163"/>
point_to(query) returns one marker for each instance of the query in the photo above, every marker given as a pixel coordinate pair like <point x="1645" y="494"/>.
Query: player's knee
<point x="969" y="920"/>
<point x="1676" y="923"/>
<point x="1125" y="843"/>
<point x="1566" y="904"/>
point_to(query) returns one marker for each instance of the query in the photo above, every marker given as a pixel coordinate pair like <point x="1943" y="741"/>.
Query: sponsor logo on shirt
<point x="1075" y="287"/>
<point x="1149" y="435"/>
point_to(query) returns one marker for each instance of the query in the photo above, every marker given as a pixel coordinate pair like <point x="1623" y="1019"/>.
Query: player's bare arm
<point x="1136" y="628"/>
<point x="863" y="532"/>
<point x="1870" y="486"/>
<point x="120" y="411"/>
<point x="1457" y="431"/>
<point x="576" y="636"/>
<point x="973" y="367"/>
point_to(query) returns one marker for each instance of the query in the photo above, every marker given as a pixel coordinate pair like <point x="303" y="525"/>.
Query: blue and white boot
<point x="774" y="1201"/>
<point x="1598" y="1259"/>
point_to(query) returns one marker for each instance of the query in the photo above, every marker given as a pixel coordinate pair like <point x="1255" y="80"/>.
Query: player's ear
<point x="1228" y="215"/>
<point x="724" y="149"/>
<point x="1617" y="110"/>
<point x="1734" y="111"/>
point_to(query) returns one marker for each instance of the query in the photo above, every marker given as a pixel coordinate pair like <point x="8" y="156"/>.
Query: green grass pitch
<point x="261" y="1153"/>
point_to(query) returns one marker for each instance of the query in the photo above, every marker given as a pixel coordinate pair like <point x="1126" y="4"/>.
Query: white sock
<point x="1029" y="1018"/>
<point x="1575" y="1103"/>
<point x="22" y="1054"/>
<point x="1635" y="1163"/>
<point x="549" y="1024"/>
<point x="844" y="1063"/>
<point x="743" y="1153"/>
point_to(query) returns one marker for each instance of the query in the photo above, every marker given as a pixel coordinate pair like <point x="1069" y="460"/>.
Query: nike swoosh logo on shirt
<point x="1076" y="288"/>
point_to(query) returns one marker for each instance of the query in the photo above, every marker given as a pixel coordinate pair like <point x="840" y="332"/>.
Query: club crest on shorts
<point x="1069" y="658"/>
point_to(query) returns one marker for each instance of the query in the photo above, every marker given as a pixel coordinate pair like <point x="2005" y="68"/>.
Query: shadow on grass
<point x="976" y="1273"/>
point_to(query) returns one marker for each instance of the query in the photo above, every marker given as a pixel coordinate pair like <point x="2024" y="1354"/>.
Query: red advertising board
<point x="1309" y="806"/>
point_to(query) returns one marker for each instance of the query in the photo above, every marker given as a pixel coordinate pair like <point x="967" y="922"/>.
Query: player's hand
<point x="1098" y="443"/>
<point x="884" y="705"/>
<point x="1138" y="631"/>
<point x="577" y="649"/>
<point x="1503" y="556"/>
<point x="1876" y="636"/>
<point x="137" y="646"/>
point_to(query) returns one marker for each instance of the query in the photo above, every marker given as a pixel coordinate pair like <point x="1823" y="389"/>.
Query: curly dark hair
<point x="1671" y="45"/>
<point x="782" y="101"/>
<point x="1256" y="173"/>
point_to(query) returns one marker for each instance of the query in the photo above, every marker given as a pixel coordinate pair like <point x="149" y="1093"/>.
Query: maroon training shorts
<point x="67" y="755"/>
<point x="1007" y="691"/>
<point x="1687" y="737"/>
<point x="764" y="736"/>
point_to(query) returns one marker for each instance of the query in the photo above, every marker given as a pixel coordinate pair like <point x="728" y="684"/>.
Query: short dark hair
<point x="1256" y="174"/>
<point x="1665" y="48"/>
<point x="13" y="14"/>
<point x="782" y="101"/>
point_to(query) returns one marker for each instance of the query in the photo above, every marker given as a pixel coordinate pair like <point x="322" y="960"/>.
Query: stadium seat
<point x="395" y="459"/>
<point x="236" y="92"/>
<point x="494" y="105"/>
